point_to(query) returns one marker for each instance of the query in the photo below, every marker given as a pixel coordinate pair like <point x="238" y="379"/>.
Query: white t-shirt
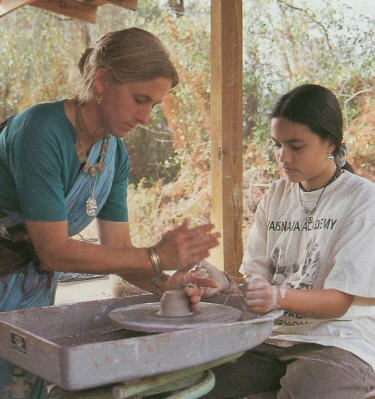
<point x="336" y="250"/>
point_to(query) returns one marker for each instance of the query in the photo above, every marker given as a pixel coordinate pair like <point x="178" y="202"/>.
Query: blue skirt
<point x="28" y="289"/>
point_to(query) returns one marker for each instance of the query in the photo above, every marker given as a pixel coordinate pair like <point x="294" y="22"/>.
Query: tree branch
<point x="325" y="30"/>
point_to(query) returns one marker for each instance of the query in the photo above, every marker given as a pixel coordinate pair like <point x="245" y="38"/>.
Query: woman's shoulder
<point x="39" y="115"/>
<point x="42" y="111"/>
<point x="39" y="125"/>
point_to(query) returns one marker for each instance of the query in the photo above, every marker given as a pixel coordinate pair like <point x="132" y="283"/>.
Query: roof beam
<point x="70" y="8"/>
<point x="129" y="4"/>
<point x="7" y="6"/>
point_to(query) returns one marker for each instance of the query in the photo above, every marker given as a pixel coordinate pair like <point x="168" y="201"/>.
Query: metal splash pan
<point x="78" y="347"/>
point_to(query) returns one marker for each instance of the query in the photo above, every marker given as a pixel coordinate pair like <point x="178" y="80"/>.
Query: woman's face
<point x="126" y="105"/>
<point x="302" y="154"/>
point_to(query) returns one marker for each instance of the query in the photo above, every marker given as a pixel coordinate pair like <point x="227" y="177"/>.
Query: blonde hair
<point x="129" y="55"/>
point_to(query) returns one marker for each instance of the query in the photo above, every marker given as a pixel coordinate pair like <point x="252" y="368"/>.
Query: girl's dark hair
<point x="316" y="107"/>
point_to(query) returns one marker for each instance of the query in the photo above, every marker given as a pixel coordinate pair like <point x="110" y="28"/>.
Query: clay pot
<point x="174" y="303"/>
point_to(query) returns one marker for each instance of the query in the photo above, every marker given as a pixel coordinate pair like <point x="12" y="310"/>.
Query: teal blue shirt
<point x="39" y="164"/>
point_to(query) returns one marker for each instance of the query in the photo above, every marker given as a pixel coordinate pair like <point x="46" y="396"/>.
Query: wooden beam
<point x="7" y="6"/>
<point x="70" y="8"/>
<point x="226" y="131"/>
<point x="129" y="4"/>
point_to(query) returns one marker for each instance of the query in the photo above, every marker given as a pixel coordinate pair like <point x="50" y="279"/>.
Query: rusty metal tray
<point x="77" y="347"/>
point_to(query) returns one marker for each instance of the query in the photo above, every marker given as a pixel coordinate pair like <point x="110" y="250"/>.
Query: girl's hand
<point x="260" y="296"/>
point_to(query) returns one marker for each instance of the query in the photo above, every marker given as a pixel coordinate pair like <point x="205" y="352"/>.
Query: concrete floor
<point x="80" y="291"/>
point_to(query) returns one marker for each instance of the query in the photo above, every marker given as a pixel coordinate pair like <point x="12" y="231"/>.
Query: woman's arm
<point x="117" y="235"/>
<point x="179" y="248"/>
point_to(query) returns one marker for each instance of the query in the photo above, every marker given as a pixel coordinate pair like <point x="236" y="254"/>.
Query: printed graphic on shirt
<point x="298" y="276"/>
<point x="289" y="225"/>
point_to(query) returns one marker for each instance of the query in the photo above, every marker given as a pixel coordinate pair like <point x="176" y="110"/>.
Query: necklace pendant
<point x="91" y="206"/>
<point x="309" y="219"/>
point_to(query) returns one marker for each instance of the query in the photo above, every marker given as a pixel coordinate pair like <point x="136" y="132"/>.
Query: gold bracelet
<point x="155" y="260"/>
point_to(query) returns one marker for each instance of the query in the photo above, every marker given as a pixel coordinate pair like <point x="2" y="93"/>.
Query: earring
<point x="99" y="98"/>
<point x="330" y="157"/>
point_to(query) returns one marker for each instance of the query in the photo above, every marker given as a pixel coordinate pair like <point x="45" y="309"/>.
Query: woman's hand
<point x="195" y="285"/>
<point x="184" y="246"/>
<point x="206" y="270"/>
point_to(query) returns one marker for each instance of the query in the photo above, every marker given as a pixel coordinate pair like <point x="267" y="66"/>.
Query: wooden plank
<point x="226" y="131"/>
<point x="128" y="4"/>
<point x="7" y="6"/>
<point x="70" y="8"/>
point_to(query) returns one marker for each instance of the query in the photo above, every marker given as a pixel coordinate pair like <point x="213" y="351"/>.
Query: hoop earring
<point x="99" y="98"/>
<point x="330" y="157"/>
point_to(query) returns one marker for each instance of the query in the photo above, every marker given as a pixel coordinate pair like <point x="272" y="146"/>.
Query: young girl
<point x="311" y="252"/>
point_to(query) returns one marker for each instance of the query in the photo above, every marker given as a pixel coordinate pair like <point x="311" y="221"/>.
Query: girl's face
<point x="302" y="154"/>
<point x="126" y="105"/>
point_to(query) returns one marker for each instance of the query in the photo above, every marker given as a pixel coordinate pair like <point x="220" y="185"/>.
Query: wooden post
<point x="226" y="131"/>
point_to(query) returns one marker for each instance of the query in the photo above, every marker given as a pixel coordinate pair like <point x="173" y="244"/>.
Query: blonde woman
<point x="63" y="163"/>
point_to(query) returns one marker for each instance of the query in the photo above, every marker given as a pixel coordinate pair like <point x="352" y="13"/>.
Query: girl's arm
<point x="261" y="297"/>
<point x="319" y="303"/>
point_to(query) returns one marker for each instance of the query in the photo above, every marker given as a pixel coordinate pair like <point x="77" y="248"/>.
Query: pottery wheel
<point x="143" y="317"/>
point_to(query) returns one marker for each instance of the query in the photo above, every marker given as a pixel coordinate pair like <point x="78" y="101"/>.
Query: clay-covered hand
<point x="194" y="285"/>
<point x="260" y="295"/>
<point x="207" y="270"/>
<point x="222" y="281"/>
<point x="185" y="246"/>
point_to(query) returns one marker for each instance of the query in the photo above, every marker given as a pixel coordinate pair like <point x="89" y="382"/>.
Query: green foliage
<point x="286" y="43"/>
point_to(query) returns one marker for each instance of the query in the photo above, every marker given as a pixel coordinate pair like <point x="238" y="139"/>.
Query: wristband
<point x="278" y="291"/>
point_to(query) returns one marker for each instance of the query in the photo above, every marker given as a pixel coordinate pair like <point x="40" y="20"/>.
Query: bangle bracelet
<point x="155" y="260"/>
<point x="155" y="283"/>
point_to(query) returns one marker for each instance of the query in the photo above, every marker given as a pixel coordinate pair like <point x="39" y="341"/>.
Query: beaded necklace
<point x="93" y="170"/>
<point x="310" y="212"/>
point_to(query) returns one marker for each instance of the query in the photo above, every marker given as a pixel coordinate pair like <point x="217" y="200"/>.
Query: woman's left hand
<point x="195" y="285"/>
